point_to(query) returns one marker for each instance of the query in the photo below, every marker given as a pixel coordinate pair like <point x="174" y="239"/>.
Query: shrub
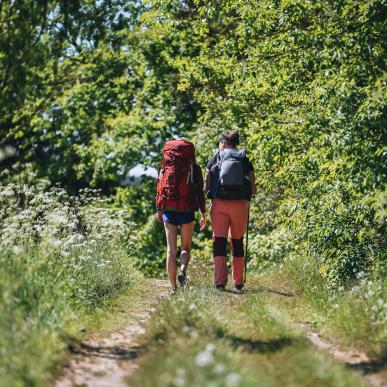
<point x="60" y="258"/>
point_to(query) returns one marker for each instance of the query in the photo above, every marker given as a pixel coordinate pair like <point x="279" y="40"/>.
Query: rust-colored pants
<point x="228" y="217"/>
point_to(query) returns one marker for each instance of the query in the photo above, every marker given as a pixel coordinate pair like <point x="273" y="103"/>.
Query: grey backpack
<point x="232" y="184"/>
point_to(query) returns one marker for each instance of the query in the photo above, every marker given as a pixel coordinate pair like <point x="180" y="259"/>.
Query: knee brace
<point x="237" y="247"/>
<point x="220" y="247"/>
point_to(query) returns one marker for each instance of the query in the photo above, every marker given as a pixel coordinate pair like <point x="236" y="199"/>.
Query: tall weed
<point x="60" y="258"/>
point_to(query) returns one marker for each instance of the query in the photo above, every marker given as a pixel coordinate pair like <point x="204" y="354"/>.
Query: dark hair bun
<point x="232" y="137"/>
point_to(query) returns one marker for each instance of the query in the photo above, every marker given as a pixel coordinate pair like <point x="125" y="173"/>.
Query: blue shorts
<point x="178" y="218"/>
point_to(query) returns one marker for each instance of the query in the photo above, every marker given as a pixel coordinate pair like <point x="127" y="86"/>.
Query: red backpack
<point x="175" y="184"/>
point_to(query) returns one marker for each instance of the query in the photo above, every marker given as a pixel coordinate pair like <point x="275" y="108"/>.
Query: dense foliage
<point x="84" y="102"/>
<point x="90" y="89"/>
<point x="304" y="83"/>
<point x="100" y="85"/>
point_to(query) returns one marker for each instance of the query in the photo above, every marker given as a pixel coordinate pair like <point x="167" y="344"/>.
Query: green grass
<point x="42" y="311"/>
<point x="62" y="259"/>
<point x="203" y="337"/>
<point x="355" y="317"/>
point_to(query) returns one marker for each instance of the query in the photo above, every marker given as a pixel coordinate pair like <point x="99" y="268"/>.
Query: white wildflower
<point x="180" y="377"/>
<point x="210" y="347"/>
<point x="220" y="368"/>
<point x="52" y="242"/>
<point x="233" y="379"/>
<point x="204" y="359"/>
<point x="57" y="218"/>
<point x="17" y="250"/>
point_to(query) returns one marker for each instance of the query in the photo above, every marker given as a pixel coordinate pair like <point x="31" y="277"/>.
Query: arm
<point x="159" y="216"/>
<point x="201" y="197"/>
<point x="159" y="211"/>
<point x="207" y="181"/>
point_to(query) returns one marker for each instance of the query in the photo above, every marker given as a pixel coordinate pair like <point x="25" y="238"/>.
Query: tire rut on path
<point x="374" y="371"/>
<point x="108" y="361"/>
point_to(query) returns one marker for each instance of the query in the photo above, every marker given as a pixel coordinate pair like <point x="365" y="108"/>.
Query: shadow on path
<point x="105" y="352"/>
<point x="257" y="346"/>
<point x="370" y="366"/>
<point x="261" y="289"/>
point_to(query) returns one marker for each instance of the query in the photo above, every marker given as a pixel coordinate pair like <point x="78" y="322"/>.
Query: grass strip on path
<point x="204" y="337"/>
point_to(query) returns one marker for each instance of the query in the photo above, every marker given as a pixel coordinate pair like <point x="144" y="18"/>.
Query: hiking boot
<point x="237" y="289"/>
<point x="221" y="288"/>
<point x="182" y="278"/>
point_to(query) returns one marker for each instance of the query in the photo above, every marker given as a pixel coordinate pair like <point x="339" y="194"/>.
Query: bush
<point x="60" y="258"/>
<point x="151" y="249"/>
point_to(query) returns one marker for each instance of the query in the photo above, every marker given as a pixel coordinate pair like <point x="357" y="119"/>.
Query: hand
<point x="159" y="216"/>
<point x="203" y="222"/>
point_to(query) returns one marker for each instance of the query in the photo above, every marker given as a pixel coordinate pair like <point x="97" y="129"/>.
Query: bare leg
<point x="186" y="241"/>
<point x="171" y="234"/>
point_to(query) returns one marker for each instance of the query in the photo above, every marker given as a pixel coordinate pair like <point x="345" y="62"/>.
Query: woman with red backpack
<point x="179" y="194"/>
<point x="230" y="184"/>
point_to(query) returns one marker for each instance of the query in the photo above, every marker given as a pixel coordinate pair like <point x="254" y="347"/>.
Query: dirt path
<point x="108" y="361"/>
<point x="374" y="371"/>
<point x="103" y="361"/>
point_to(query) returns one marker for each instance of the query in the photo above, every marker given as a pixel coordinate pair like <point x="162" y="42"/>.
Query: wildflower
<point x="52" y="242"/>
<point x="219" y="368"/>
<point x="180" y="377"/>
<point x="360" y="275"/>
<point x="57" y="218"/>
<point x="369" y="294"/>
<point x="233" y="379"/>
<point x="192" y="307"/>
<point x="17" y="250"/>
<point x="204" y="358"/>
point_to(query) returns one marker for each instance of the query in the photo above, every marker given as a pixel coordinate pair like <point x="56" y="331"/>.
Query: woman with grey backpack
<point x="230" y="184"/>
